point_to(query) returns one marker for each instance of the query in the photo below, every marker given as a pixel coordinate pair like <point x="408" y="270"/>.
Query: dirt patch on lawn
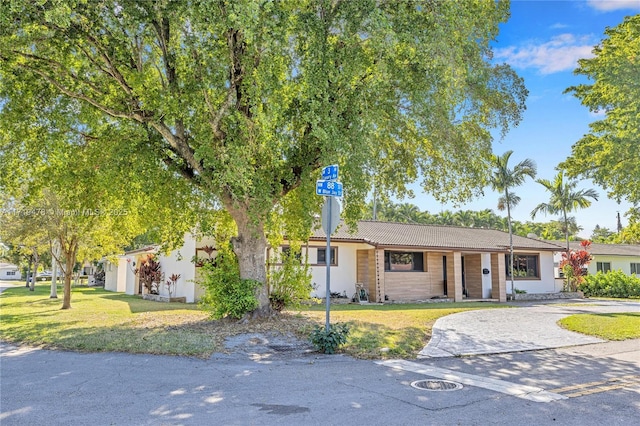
<point x="282" y="334"/>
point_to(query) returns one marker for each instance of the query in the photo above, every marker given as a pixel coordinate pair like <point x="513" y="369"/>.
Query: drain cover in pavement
<point x="436" y="385"/>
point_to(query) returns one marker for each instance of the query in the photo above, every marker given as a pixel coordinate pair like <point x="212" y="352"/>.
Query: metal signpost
<point x="329" y="188"/>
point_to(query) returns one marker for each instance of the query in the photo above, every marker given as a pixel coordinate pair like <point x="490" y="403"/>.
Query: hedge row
<point x="611" y="284"/>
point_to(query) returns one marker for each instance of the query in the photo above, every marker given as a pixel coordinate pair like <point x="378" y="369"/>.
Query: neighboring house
<point x="607" y="257"/>
<point x="9" y="271"/>
<point x="399" y="262"/>
<point x="120" y="276"/>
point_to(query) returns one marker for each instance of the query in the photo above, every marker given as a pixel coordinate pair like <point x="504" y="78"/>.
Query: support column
<point x="498" y="277"/>
<point x="454" y="276"/>
<point x="379" y="277"/>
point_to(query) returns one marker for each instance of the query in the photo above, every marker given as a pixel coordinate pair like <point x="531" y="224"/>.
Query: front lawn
<point x="621" y="326"/>
<point x="104" y="321"/>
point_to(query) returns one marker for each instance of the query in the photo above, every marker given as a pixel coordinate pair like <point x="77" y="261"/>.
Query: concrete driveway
<point x="529" y="326"/>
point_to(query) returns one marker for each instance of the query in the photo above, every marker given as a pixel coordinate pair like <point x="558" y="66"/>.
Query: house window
<point x="322" y="256"/>
<point x="286" y="252"/>
<point x="603" y="267"/>
<point x="402" y="261"/>
<point x="525" y="266"/>
<point x="635" y="268"/>
<point x="12" y="273"/>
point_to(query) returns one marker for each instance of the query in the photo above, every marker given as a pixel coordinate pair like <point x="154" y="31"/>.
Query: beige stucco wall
<point x="546" y="283"/>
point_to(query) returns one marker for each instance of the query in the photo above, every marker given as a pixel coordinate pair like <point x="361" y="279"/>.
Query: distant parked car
<point x="42" y="276"/>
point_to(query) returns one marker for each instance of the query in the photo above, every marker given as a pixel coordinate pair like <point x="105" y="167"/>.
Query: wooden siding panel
<point x="473" y="275"/>
<point x="362" y="273"/>
<point x="377" y="287"/>
<point x="411" y="286"/>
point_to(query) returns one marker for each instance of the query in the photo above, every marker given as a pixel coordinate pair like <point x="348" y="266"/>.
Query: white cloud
<point x="608" y="5"/>
<point x="601" y="113"/>
<point x="559" y="54"/>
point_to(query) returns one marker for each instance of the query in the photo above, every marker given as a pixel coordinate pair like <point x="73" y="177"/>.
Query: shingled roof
<point x="390" y="234"/>
<point x="605" y="249"/>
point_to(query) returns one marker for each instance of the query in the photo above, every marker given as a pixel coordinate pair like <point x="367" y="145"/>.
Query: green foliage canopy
<point x="608" y="154"/>
<point x="247" y="100"/>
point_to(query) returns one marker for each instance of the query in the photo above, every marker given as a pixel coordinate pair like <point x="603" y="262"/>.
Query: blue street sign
<point x="328" y="187"/>
<point x="330" y="172"/>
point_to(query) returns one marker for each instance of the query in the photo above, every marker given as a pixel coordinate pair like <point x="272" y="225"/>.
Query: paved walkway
<point x="529" y="326"/>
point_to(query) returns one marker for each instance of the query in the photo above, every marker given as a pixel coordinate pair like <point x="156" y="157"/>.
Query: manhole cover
<point x="436" y="385"/>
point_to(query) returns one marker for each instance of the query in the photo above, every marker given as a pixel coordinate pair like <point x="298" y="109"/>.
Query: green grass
<point x="105" y="321"/>
<point x="620" y="326"/>
<point x="391" y="331"/>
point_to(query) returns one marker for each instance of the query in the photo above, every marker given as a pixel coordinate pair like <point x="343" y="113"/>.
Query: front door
<point x="464" y="285"/>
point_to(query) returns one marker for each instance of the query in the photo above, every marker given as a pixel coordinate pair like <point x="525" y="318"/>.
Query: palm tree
<point x="502" y="180"/>
<point x="407" y="213"/>
<point x="564" y="199"/>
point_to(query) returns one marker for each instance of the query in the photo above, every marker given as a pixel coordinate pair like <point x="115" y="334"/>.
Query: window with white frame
<point x="11" y="273"/>
<point x="603" y="267"/>
<point x="635" y="268"/>
<point x="525" y="266"/>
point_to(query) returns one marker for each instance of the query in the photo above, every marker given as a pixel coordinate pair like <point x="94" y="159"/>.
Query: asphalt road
<point x="596" y="384"/>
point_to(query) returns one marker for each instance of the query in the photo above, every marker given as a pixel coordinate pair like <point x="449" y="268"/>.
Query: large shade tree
<point x="608" y="154"/>
<point x="564" y="198"/>
<point x="503" y="180"/>
<point x="247" y="100"/>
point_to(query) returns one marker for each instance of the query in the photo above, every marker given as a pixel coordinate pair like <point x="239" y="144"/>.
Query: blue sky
<point x="542" y="41"/>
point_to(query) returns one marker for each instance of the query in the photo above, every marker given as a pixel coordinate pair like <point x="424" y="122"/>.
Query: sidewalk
<point x="528" y="326"/>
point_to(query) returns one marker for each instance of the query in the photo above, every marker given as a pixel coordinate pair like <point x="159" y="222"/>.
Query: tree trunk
<point x="29" y="270"/>
<point x="250" y="247"/>
<point x="566" y="230"/>
<point x="55" y="253"/>
<point x="70" y="253"/>
<point x="513" y="295"/>
<point x="66" y="299"/>
<point x="36" y="261"/>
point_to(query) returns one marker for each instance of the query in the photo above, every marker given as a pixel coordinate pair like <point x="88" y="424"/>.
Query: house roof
<point x="148" y="249"/>
<point x="4" y="265"/>
<point x="391" y="234"/>
<point x="606" y="249"/>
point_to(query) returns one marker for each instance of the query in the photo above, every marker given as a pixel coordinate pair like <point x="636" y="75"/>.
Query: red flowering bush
<point x="574" y="264"/>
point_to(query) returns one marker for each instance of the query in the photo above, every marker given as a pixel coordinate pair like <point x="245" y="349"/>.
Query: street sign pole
<point x="327" y="257"/>
<point x="329" y="188"/>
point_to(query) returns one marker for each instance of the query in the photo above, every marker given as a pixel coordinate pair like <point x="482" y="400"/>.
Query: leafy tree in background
<point x="608" y="154"/>
<point x="630" y="234"/>
<point x="21" y="225"/>
<point x="503" y="180"/>
<point x="79" y="190"/>
<point x="601" y="234"/>
<point x="246" y="101"/>
<point x="564" y="199"/>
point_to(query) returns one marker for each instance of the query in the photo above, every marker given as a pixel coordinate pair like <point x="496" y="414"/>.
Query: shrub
<point x="573" y="265"/>
<point x="611" y="284"/>
<point x="290" y="282"/>
<point x="328" y="341"/>
<point x="150" y="274"/>
<point x="227" y="295"/>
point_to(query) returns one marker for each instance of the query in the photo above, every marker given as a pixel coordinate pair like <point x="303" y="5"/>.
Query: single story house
<point x="409" y="262"/>
<point x="9" y="271"/>
<point x="184" y="261"/>
<point x="607" y="257"/>
<point x="395" y="262"/>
